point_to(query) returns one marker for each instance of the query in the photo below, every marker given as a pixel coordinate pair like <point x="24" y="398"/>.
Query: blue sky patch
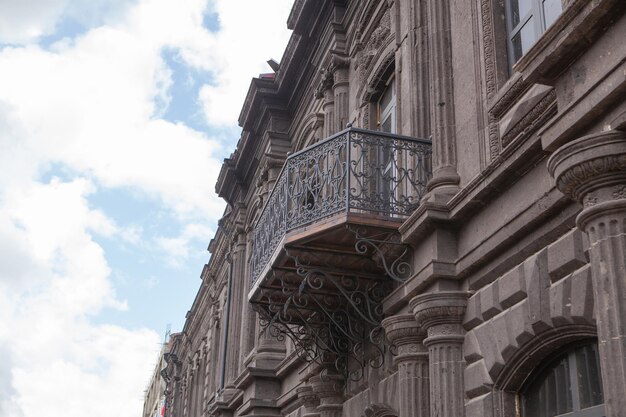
<point x="186" y="83"/>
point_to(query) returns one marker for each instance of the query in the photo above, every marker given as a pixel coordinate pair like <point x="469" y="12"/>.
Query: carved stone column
<point x="445" y="176"/>
<point x="412" y="361"/>
<point x="592" y="171"/>
<point x="329" y="389"/>
<point x="441" y="314"/>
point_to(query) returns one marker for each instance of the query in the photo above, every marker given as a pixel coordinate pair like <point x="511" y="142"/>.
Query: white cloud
<point x="45" y="306"/>
<point x="26" y="20"/>
<point x="177" y="249"/>
<point x="242" y="53"/>
<point x="93" y="106"/>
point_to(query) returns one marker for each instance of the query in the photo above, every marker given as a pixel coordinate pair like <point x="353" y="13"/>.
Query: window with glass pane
<point x="570" y="384"/>
<point x="526" y="21"/>
<point x="387" y="123"/>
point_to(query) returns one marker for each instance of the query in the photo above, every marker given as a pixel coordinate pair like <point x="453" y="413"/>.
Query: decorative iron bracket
<point x="337" y="315"/>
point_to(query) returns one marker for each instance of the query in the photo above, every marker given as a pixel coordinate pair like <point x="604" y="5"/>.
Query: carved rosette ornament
<point x="592" y="171"/>
<point x="441" y="314"/>
<point x="412" y="361"/>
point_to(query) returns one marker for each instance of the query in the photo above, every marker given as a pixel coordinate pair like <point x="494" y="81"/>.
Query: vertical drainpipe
<point x="227" y="319"/>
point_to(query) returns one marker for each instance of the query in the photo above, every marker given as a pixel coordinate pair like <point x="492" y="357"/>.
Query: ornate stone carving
<point x="372" y="46"/>
<point x="489" y="48"/>
<point x="326" y="83"/>
<point x="329" y="388"/>
<point x="591" y="163"/>
<point x="379" y="410"/>
<point x="308" y="398"/>
<point x="531" y="121"/>
<point x="440" y="308"/>
<point x="402" y="330"/>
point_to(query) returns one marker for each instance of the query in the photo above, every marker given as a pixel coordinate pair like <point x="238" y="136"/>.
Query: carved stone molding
<point x="329" y="388"/>
<point x="592" y="168"/>
<point x="439" y="308"/>
<point x="308" y="397"/>
<point x="541" y="112"/>
<point x="372" y="46"/>
<point x="404" y="332"/>
<point x="489" y="48"/>
<point x="326" y="83"/>
<point x="379" y="410"/>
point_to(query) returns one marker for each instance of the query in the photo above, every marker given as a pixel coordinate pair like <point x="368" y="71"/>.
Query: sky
<point x="115" y="116"/>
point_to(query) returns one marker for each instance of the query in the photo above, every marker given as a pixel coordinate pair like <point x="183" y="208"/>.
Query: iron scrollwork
<point x="332" y="316"/>
<point x="356" y="171"/>
<point x="329" y="316"/>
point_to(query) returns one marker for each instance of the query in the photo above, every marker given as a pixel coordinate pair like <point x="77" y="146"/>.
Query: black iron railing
<point x="356" y="170"/>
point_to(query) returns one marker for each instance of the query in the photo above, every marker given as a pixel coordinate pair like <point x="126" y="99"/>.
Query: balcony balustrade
<point x="355" y="171"/>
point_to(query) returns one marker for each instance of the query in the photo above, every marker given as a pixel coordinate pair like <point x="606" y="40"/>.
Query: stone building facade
<point x="154" y="398"/>
<point x="426" y="217"/>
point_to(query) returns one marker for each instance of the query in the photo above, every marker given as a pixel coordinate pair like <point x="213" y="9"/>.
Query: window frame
<point x="539" y="25"/>
<point x="569" y="353"/>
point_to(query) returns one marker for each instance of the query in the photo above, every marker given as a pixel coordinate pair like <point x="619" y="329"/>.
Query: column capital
<point x="404" y="332"/>
<point x="329" y="388"/>
<point x="592" y="171"/>
<point x="402" y="329"/>
<point x="308" y="397"/>
<point x="443" y="307"/>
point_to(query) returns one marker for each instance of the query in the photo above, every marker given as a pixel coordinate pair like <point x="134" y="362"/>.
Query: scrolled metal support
<point x="399" y="268"/>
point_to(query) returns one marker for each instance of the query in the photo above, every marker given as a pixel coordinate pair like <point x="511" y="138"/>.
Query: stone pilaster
<point x="329" y="389"/>
<point x="445" y="179"/>
<point x="325" y="91"/>
<point x="339" y="67"/>
<point x="412" y="361"/>
<point x="441" y="315"/>
<point x="592" y="171"/>
<point x="237" y="296"/>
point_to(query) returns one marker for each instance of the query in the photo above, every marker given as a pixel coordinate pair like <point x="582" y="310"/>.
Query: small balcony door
<point x="386" y="157"/>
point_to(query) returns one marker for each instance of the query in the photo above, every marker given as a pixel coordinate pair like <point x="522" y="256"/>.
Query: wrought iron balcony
<point x="356" y="171"/>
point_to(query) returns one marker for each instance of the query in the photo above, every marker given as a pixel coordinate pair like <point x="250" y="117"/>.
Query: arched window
<point x="569" y="384"/>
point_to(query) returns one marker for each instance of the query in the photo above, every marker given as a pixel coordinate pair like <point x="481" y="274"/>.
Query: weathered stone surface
<point x="477" y="380"/>
<point x="480" y="407"/>
<point x="566" y="255"/>
<point x="489" y="301"/>
<point x="512" y="287"/>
